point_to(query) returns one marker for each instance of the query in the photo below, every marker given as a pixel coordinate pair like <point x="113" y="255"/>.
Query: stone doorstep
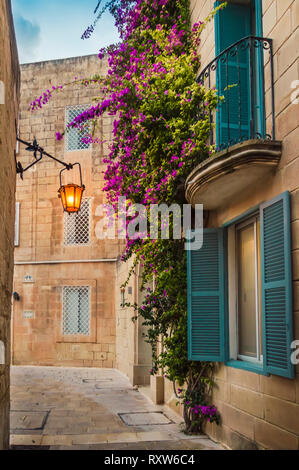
<point x="113" y="388"/>
<point x="97" y="381"/>
<point x="113" y="438"/>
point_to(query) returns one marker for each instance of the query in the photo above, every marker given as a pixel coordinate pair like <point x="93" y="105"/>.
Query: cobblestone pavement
<point x="75" y="408"/>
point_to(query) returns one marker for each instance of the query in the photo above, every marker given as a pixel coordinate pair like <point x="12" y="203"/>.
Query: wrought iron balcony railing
<point x="243" y="77"/>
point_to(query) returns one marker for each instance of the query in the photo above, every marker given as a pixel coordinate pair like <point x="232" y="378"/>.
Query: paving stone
<point x="27" y="420"/>
<point x="66" y="409"/>
<point x="137" y="419"/>
<point x="97" y="381"/>
<point x="27" y="440"/>
<point x="150" y="446"/>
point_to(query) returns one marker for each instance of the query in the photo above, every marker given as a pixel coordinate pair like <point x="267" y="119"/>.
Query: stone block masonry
<point x="43" y="255"/>
<point x="9" y="101"/>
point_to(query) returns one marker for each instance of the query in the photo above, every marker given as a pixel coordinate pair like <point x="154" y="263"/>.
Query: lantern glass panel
<point x="71" y="197"/>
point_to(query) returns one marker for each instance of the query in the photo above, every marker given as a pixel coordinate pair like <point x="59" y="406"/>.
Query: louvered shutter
<point x="233" y="23"/>
<point x="206" y="299"/>
<point x="277" y="286"/>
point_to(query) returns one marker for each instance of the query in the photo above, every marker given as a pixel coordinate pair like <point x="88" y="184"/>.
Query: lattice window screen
<point x="77" y="226"/>
<point x="76" y="310"/>
<point x="74" y="136"/>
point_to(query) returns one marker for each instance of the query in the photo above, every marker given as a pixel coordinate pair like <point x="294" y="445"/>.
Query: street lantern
<point x="71" y="194"/>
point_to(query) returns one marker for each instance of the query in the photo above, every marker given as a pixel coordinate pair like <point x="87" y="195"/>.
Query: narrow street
<point x="73" y="408"/>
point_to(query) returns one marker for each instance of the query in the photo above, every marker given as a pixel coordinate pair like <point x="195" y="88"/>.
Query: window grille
<point x="76" y="310"/>
<point x="74" y="135"/>
<point x="77" y="225"/>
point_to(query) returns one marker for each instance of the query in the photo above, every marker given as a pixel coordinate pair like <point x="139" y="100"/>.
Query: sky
<point x="52" y="29"/>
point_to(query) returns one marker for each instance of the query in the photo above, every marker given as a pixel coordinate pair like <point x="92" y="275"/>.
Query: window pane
<point x="70" y="314"/>
<point x="258" y="224"/>
<point x="247" y="292"/>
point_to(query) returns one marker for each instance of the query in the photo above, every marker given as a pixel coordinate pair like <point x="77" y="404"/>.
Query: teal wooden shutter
<point x="232" y="24"/>
<point x="277" y="286"/>
<point x="206" y="299"/>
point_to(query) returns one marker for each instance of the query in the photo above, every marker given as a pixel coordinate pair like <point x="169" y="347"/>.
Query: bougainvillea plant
<point x="160" y="133"/>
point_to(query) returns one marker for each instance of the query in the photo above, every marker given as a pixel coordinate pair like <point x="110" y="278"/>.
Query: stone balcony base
<point x="220" y="179"/>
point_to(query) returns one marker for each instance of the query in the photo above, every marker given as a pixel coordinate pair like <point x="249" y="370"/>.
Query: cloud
<point x="28" y="36"/>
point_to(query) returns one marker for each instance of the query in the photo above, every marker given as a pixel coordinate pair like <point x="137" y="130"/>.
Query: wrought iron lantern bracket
<point x="70" y="167"/>
<point x="70" y="194"/>
<point x="36" y="149"/>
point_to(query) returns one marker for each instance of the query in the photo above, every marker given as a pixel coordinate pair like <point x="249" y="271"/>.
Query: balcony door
<point x="239" y="72"/>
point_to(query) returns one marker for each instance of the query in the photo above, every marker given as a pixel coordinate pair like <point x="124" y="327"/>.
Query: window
<point x="17" y="224"/>
<point x="76" y="310"/>
<point x="123" y="298"/>
<point x="74" y="136"/>
<point x="240" y="292"/>
<point x="77" y="226"/>
<point x="244" y="290"/>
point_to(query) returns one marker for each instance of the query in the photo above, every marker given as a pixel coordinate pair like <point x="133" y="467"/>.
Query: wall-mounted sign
<point x="28" y="315"/>
<point x="28" y="278"/>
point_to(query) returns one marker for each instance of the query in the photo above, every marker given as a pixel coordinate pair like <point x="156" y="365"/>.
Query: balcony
<point x="242" y="128"/>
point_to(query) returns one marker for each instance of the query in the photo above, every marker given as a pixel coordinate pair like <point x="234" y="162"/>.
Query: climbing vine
<point x="160" y="132"/>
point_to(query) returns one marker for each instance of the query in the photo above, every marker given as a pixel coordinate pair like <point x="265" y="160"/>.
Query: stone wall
<point x="133" y="354"/>
<point x="9" y="76"/>
<point x="42" y="255"/>
<point x="258" y="411"/>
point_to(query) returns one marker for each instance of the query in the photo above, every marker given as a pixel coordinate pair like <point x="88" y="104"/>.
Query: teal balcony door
<point x="239" y="73"/>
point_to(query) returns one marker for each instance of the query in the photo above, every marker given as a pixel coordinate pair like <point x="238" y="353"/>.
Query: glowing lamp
<point x="71" y="194"/>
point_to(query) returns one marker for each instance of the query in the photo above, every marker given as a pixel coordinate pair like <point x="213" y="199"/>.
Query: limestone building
<point x="64" y="275"/>
<point x="244" y="315"/>
<point x="9" y="101"/>
<point x="70" y="310"/>
<point x="248" y="304"/>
